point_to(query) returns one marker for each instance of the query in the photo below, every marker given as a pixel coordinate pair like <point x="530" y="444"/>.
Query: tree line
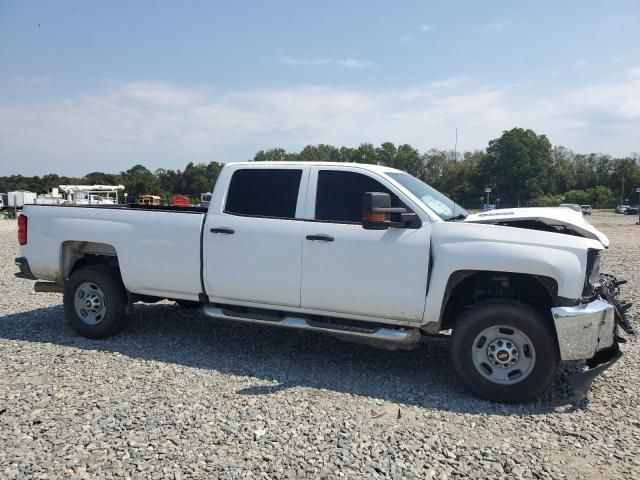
<point x="521" y="167"/>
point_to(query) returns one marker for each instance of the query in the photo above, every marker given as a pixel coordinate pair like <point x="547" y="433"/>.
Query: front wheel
<point x="505" y="351"/>
<point x="95" y="301"/>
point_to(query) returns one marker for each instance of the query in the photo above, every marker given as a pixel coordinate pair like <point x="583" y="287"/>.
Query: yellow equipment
<point x="149" y="200"/>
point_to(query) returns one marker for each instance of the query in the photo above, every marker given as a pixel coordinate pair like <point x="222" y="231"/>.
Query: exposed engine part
<point x="610" y="291"/>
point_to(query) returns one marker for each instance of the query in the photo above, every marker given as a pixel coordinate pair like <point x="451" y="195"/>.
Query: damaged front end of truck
<point x="592" y="331"/>
<point x="588" y="328"/>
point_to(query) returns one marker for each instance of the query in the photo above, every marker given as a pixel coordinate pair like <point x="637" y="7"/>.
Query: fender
<point x="494" y="248"/>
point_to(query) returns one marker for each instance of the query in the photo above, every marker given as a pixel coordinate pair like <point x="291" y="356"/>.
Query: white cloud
<point x="355" y="63"/>
<point x="615" y="102"/>
<point x="305" y="61"/>
<point x="165" y="125"/>
<point x="581" y="63"/>
<point x="346" y="62"/>
<point x="634" y="72"/>
<point x="30" y="81"/>
<point x="425" y="27"/>
<point x="495" y="27"/>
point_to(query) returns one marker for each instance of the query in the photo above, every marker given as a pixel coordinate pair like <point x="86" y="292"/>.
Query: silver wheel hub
<point x="90" y="303"/>
<point x="503" y="354"/>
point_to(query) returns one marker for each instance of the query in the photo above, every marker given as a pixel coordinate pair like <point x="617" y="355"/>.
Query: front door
<point x="347" y="269"/>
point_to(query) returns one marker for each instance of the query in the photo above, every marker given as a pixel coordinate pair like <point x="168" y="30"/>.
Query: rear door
<point x="252" y="240"/>
<point x="347" y="269"/>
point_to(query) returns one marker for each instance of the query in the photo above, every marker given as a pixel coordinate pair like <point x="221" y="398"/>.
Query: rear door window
<point x="267" y="192"/>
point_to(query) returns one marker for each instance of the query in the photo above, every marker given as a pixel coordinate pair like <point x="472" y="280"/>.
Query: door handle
<point x="321" y="237"/>
<point x="226" y="230"/>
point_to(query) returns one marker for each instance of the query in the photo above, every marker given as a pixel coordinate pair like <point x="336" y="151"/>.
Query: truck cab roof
<point x="364" y="166"/>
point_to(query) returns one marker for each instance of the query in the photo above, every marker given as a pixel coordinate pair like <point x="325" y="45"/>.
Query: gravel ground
<point x="178" y="396"/>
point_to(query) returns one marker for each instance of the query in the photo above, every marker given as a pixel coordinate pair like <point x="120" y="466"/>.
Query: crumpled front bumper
<point x="590" y="332"/>
<point x="585" y="329"/>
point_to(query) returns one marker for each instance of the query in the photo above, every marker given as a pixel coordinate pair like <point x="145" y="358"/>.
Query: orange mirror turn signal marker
<point x="373" y="217"/>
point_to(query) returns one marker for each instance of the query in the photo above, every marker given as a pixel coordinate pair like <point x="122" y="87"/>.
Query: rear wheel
<point x="95" y="301"/>
<point x="505" y="351"/>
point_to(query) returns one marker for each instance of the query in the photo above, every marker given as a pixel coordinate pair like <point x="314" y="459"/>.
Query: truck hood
<point x="551" y="219"/>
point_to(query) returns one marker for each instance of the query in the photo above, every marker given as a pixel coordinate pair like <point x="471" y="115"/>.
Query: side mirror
<point x="377" y="212"/>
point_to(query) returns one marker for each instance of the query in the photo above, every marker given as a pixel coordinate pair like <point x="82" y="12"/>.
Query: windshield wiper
<point x="460" y="216"/>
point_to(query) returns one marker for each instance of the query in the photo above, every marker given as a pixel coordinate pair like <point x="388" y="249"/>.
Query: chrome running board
<point x="375" y="335"/>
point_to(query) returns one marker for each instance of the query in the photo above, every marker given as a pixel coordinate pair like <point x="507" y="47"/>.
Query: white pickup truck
<point x="361" y="252"/>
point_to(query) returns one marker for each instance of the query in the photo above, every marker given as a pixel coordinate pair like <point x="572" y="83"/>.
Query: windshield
<point x="442" y="206"/>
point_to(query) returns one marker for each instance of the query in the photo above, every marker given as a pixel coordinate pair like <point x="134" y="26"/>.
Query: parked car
<point x="573" y="206"/>
<point x="632" y="210"/>
<point x="586" y="209"/>
<point x="621" y="208"/>
<point x="360" y="252"/>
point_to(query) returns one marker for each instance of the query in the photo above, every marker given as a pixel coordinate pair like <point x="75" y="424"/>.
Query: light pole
<point x="488" y="192"/>
<point x="497" y="203"/>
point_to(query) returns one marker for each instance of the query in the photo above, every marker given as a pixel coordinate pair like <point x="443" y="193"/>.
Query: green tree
<point x="599" y="195"/>
<point x="170" y="180"/>
<point x="100" y="178"/>
<point x="518" y="165"/>
<point x="199" y="178"/>
<point x="408" y="159"/>
<point x="624" y="178"/>
<point x="139" y="180"/>
<point x="365" y="153"/>
<point x="563" y="176"/>
<point x="386" y="154"/>
<point x="273" y="155"/>
<point x="347" y="154"/>
<point x="319" y="153"/>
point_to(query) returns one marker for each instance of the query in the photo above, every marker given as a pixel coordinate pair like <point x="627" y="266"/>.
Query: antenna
<point x="455" y="159"/>
<point x="455" y="147"/>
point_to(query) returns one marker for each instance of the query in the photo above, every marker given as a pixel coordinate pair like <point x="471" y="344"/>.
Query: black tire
<point x="544" y="364"/>
<point x="115" y="295"/>
<point x="188" y="303"/>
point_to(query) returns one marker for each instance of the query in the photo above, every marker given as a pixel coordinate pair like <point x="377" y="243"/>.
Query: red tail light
<point x="22" y="230"/>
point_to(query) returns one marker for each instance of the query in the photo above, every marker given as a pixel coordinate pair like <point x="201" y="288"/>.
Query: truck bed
<point x="158" y="247"/>
<point x="152" y="208"/>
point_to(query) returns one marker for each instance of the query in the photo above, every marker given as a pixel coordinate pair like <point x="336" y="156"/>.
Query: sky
<point x="102" y="86"/>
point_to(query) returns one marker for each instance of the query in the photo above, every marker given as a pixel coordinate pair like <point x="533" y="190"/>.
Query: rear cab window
<point x="264" y="192"/>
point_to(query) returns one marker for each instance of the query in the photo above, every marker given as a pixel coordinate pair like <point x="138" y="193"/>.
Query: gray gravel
<point x="178" y="395"/>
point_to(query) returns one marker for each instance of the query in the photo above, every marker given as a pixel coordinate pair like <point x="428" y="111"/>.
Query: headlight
<point x="593" y="269"/>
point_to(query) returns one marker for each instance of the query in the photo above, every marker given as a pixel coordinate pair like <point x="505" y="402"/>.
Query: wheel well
<point x="466" y="288"/>
<point x="75" y="255"/>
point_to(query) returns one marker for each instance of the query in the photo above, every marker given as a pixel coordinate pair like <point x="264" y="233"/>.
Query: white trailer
<point x="20" y="198"/>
